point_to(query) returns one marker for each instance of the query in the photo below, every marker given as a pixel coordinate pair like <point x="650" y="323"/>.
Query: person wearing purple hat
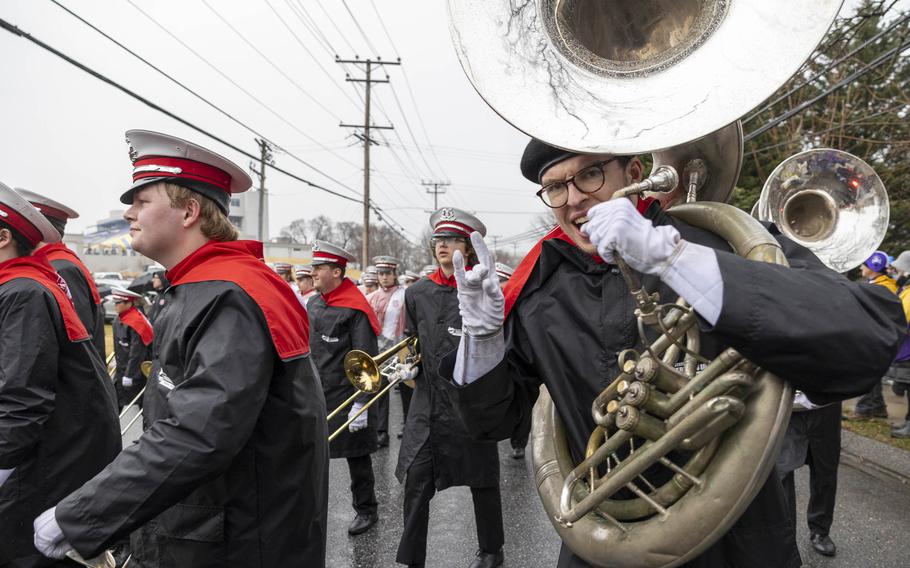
<point x="872" y="404"/>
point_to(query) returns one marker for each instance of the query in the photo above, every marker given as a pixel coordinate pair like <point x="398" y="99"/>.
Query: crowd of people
<point x="248" y="361"/>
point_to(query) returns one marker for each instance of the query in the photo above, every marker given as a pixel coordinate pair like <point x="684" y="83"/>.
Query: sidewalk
<point x="876" y="458"/>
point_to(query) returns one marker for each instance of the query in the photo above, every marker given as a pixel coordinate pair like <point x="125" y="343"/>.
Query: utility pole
<point x="265" y="157"/>
<point x="438" y="188"/>
<point x="367" y="141"/>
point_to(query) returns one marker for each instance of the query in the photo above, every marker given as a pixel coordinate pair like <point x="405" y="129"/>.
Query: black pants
<point x="419" y="488"/>
<point x="819" y="431"/>
<point x="405" y="392"/>
<point x="872" y="401"/>
<point x="362" y="484"/>
<point x="522" y="431"/>
<point x="382" y="412"/>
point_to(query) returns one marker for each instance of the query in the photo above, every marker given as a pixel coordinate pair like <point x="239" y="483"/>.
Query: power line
<point x="875" y="63"/>
<point x="270" y="62"/>
<point x="213" y="67"/>
<point x="200" y="97"/>
<point x="360" y="29"/>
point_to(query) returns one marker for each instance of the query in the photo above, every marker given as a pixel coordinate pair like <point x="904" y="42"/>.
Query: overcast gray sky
<point x="63" y="129"/>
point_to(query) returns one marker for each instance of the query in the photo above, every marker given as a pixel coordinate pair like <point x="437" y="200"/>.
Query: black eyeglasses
<point x="586" y="180"/>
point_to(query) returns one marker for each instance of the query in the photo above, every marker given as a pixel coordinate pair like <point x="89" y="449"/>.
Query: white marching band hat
<point x="386" y="262"/>
<point x="304" y="271"/>
<point x="503" y="271"/>
<point x="47" y="206"/>
<point x="327" y="253"/>
<point x="452" y="222"/>
<point x="124" y="295"/>
<point x="161" y="157"/>
<point x="27" y="221"/>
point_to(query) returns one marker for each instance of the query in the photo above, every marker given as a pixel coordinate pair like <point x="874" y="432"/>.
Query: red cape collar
<point x="347" y="295"/>
<point x="39" y="269"/>
<point x="241" y="262"/>
<point x="139" y="323"/>
<point x="512" y="290"/>
<point x="59" y="251"/>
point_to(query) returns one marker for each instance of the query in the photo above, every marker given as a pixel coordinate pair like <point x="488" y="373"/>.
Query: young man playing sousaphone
<point x="70" y="267"/>
<point x="232" y="469"/>
<point x="342" y="320"/>
<point x="58" y="415"/>
<point x="436" y="452"/>
<point x="133" y="336"/>
<point x="567" y="312"/>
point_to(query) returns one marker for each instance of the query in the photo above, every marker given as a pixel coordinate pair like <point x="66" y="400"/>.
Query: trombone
<point x="366" y="373"/>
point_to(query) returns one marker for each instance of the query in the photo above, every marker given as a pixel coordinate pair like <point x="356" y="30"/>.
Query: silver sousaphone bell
<point x="829" y="201"/>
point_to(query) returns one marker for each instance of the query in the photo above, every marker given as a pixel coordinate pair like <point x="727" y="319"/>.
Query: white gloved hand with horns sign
<point x="482" y="308"/>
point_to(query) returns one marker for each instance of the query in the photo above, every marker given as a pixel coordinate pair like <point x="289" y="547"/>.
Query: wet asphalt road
<point x="871" y="525"/>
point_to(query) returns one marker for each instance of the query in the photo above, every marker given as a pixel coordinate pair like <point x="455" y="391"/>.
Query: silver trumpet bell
<point x="829" y="201"/>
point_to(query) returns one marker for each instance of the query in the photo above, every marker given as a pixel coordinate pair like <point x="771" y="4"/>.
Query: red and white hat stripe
<point x="453" y="226"/>
<point x="322" y="256"/>
<point x="158" y="166"/>
<point x="20" y="223"/>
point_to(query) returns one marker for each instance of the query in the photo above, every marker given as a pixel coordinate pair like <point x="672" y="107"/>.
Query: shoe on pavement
<point x="823" y="544"/>
<point x="902" y="431"/>
<point x="362" y="523"/>
<point x="518" y="453"/>
<point x="383" y="439"/>
<point x="487" y="559"/>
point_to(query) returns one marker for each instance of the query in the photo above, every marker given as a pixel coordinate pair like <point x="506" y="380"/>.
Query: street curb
<point x="875" y="458"/>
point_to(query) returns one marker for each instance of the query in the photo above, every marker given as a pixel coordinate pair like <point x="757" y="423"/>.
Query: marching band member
<point x="159" y="285"/>
<point x="70" y="267"/>
<point x="570" y="313"/>
<point x="342" y="320"/>
<point x="503" y="273"/>
<point x="369" y="281"/>
<point x="409" y="278"/>
<point x="305" y="289"/>
<point x="388" y="304"/>
<point x="132" y="341"/>
<point x="436" y="451"/>
<point x="58" y="417"/>
<point x="232" y="468"/>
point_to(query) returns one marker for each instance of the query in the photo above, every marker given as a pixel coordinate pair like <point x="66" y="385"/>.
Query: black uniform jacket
<point x="232" y="468"/>
<point x="58" y="416"/>
<point x="90" y="314"/>
<point x="432" y="313"/>
<point x="829" y="337"/>
<point x="335" y="330"/>
<point x="129" y="352"/>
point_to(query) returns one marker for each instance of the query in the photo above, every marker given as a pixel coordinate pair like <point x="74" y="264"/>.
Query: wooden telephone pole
<point x="265" y="157"/>
<point x="367" y="141"/>
<point x="439" y="187"/>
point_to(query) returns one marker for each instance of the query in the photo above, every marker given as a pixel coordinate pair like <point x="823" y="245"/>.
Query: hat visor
<point x="449" y="233"/>
<point x="127" y="197"/>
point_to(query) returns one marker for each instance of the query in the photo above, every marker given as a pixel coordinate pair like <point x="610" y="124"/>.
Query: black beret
<point x="539" y="156"/>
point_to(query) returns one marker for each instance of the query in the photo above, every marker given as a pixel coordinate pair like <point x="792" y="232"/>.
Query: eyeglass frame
<point x="448" y="239"/>
<point x="571" y="179"/>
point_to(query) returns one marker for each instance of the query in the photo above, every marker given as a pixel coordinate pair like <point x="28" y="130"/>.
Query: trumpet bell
<point x="829" y="201"/>
<point x="631" y="76"/>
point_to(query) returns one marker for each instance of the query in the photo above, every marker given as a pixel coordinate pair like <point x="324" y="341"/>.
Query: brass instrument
<point x="366" y="373"/>
<point x="682" y="444"/>
<point x="829" y="201"/>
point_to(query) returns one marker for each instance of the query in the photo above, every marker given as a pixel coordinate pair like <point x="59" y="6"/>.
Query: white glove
<point x="4" y="475"/>
<point x="617" y="226"/>
<point x="49" y="538"/>
<point x="480" y="299"/>
<point x="690" y="269"/>
<point x="360" y="422"/>
<point x="126" y="382"/>
<point x="404" y="372"/>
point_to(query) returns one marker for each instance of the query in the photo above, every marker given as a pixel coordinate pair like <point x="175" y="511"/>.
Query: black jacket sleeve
<point x="138" y="354"/>
<point x="492" y="406"/>
<point x="228" y="368"/>
<point x="828" y="336"/>
<point x="28" y="373"/>
<point x="410" y="325"/>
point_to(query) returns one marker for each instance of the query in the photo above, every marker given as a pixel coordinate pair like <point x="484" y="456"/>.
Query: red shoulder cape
<point x="346" y="295"/>
<point x="139" y="323"/>
<point x="241" y="262"/>
<point x="512" y="290"/>
<point x="40" y="270"/>
<point x="59" y="251"/>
